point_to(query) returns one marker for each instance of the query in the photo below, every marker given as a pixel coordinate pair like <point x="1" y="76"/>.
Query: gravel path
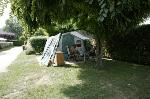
<point x="7" y="57"/>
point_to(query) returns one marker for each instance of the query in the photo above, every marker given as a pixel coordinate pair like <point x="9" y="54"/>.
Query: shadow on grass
<point x="67" y="66"/>
<point x="117" y="80"/>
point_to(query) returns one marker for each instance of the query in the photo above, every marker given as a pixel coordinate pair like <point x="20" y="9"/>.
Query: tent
<point x="72" y="38"/>
<point x="60" y="42"/>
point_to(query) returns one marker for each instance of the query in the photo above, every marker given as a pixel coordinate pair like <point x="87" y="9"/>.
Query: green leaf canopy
<point x="99" y="17"/>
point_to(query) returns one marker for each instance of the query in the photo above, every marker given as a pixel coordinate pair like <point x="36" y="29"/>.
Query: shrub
<point x="132" y="47"/>
<point x="29" y="50"/>
<point x="17" y="42"/>
<point x="37" y="43"/>
<point x="5" y="44"/>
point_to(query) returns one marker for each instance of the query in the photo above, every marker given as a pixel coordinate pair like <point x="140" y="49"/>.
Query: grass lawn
<point x="5" y="49"/>
<point x="119" y="80"/>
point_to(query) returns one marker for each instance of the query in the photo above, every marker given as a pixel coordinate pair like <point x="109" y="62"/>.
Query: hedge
<point x="5" y="44"/>
<point x="17" y="42"/>
<point x="132" y="47"/>
<point x="37" y="43"/>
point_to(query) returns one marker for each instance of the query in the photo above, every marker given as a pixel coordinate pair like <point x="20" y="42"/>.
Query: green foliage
<point x="107" y="17"/>
<point x="132" y="47"/>
<point x="25" y="36"/>
<point x="3" y="5"/>
<point x="5" y="44"/>
<point x="13" y="26"/>
<point x="99" y="17"/>
<point x="40" y="32"/>
<point x="38" y="43"/>
<point x="17" y="42"/>
<point x="23" y="39"/>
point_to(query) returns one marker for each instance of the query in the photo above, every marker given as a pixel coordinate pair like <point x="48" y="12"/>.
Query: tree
<point x="40" y="32"/>
<point x="13" y="25"/>
<point x="3" y="5"/>
<point x="101" y="18"/>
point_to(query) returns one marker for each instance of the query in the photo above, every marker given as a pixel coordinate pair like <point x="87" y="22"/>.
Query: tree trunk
<point x="99" y="54"/>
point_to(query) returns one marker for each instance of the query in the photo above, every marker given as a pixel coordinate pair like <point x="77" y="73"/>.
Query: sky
<point x="5" y="16"/>
<point x="147" y="21"/>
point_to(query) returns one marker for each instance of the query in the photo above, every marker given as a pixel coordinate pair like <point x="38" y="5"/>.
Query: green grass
<point x="118" y="80"/>
<point x="4" y="49"/>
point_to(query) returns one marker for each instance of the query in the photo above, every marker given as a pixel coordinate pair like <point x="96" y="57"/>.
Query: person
<point x="74" y="52"/>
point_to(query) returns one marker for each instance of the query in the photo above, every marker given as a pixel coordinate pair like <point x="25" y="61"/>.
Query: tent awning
<point x="75" y="33"/>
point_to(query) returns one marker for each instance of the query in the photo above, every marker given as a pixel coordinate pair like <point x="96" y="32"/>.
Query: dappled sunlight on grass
<point x="118" y="80"/>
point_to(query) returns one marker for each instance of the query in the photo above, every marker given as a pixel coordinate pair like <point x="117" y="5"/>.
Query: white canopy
<point x="79" y="35"/>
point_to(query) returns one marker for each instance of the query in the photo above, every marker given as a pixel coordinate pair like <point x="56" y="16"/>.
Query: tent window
<point x="78" y="43"/>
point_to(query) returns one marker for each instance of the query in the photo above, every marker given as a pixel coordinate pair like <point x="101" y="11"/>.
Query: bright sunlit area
<point x="146" y="21"/>
<point x="5" y="16"/>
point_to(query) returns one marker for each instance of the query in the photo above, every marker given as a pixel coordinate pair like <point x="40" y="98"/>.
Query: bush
<point x="37" y="43"/>
<point x="29" y="50"/>
<point x="132" y="47"/>
<point x="5" y="44"/>
<point x="17" y="42"/>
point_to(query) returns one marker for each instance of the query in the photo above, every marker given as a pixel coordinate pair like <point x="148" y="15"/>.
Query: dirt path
<point x="7" y="57"/>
